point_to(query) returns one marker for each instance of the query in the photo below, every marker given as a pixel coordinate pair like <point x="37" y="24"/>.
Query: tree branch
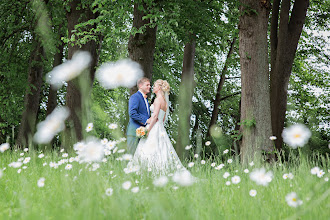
<point x="231" y="95"/>
<point x="297" y="19"/>
<point x="274" y="30"/>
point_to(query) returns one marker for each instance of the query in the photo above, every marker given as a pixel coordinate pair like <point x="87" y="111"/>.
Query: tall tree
<point x="141" y="45"/>
<point x="285" y="33"/>
<point x="78" y="89"/>
<point x="255" y="103"/>
<point x="185" y="96"/>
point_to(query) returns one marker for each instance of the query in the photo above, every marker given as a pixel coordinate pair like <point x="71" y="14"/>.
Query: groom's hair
<point x="142" y="80"/>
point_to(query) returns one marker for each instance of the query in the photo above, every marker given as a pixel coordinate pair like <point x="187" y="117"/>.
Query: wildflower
<point x="285" y="176"/>
<point x="68" y="167"/>
<point x="191" y="164"/>
<point x="26" y="149"/>
<point x="253" y="192"/>
<point x="111" y="145"/>
<point x="188" y="147"/>
<point x="44" y="164"/>
<point x="24" y="167"/>
<point x="109" y="192"/>
<point x="92" y="152"/>
<point x="4" y="147"/>
<point x="196" y="155"/>
<point x="104" y="141"/>
<point x="19" y="170"/>
<point x="229" y="160"/>
<point x="53" y="124"/>
<point x="212" y="164"/>
<point x="207" y="143"/>
<point x="315" y="170"/>
<point x="293" y="200"/>
<point x="65" y="155"/>
<point x="251" y="164"/>
<point x="290" y="176"/>
<point x="62" y="150"/>
<point x="113" y="126"/>
<point x="228" y="183"/>
<point x="225" y="151"/>
<point x="183" y="178"/>
<point x="202" y="161"/>
<point x="41" y="182"/>
<point x="89" y="127"/>
<point x="126" y="185"/>
<point x="272" y="138"/>
<point x="79" y="146"/>
<point x="26" y="160"/>
<point x="121" y="151"/>
<point x="121" y="73"/>
<point x="326" y="179"/>
<point x="135" y="189"/>
<point x="261" y="177"/>
<point x="69" y="70"/>
<point x="21" y="154"/>
<point x="320" y="173"/>
<point x="225" y="175"/>
<point x="235" y="179"/>
<point x="41" y="155"/>
<point x="296" y="135"/>
<point x="160" y="181"/>
<point x="127" y="157"/>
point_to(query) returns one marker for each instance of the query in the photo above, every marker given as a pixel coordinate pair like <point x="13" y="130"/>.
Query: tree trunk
<point x="32" y="97"/>
<point x="78" y="89"/>
<point x="284" y="40"/>
<point x="255" y="103"/>
<point x="217" y="99"/>
<point x="52" y="96"/>
<point x="141" y="46"/>
<point x="185" y="97"/>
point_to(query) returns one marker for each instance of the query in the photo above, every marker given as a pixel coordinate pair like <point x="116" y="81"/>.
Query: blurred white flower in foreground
<point x="4" y="147"/>
<point x="109" y="192"/>
<point x="15" y="164"/>
<point x="235" y="179"/>
<point x="70" y="69"/>
<point x="135" y="189"/>
<point x="315" y="170"/>
<point x="126" y="185"/>
<point x="293" y="200"/>
<point x="91" y="151"/>
<point x="253" y="192"/>
<point x="41" y="182"/>
<point x="261" y="177"/>
<point x="183" y="178"/>
<point x="121" y="73"/>
<point x="160" y="181"/>
<point x="296" y="135"/>
<point x="53" y="124"/>
<point x="226" y="175"/>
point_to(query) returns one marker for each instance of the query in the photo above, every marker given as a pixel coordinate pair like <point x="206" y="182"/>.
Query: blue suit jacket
<point x="138" y="113"/>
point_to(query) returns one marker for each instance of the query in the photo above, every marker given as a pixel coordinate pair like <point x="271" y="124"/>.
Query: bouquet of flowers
<point x="141" y="132"/>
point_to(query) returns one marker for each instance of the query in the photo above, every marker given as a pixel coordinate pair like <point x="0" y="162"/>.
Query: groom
<point x="139" y="113"/>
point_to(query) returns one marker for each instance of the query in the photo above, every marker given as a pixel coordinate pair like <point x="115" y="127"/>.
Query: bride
<point x="156" y="153"/>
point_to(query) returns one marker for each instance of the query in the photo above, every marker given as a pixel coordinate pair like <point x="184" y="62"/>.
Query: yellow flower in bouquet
<point x="141" y="132"/>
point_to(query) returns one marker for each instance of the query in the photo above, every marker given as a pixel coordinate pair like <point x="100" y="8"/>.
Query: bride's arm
<point x="154" y="116"/>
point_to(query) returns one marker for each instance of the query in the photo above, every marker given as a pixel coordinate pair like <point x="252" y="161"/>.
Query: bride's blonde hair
<point x="164" y="85"/>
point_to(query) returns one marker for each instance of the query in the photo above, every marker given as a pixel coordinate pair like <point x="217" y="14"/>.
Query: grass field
<point x="97" y="191"/>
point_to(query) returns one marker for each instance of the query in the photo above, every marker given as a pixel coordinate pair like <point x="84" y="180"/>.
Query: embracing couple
<point x="155" y="152"/>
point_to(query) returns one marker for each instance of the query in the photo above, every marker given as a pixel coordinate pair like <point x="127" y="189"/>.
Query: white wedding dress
<point x="155" y="153"/>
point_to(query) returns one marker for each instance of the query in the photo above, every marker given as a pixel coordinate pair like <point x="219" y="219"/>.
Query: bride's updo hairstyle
<point x="163" y="85"/>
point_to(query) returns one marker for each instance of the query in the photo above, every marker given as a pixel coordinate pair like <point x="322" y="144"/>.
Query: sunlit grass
<point x="80" y="193"/>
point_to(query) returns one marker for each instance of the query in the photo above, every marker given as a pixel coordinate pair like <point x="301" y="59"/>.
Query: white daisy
<point x="296" y="135"/>
<point x="65" y="155"/>
<point x="188" y="147"/>
<point x="229" y="160"/>
<point x="19" y="170"/>
<point x="160" y="181"/>
<point x="21" y="154"/>
<point x="272" y="138"/>
<point x="26" y="149"/>
<point x="41" y="182"/>
<point x="191" y="164"/>
<point x="261" y="177"/>
<point x="4" y="147"/>
<point x="246" y="171"/>
<point x="293" y="200"/>
<point x="320" y="173"/>
<point x="228" y="183"/>
<point x="183" y="178"/>
<point x="251" y="164"/>
<point x="213" y="164"/>
<point x="104" y="141"/>
<point x="109" y="192"/>
<point x="253" y="192"/>
<point x="225" y="151"/>
<point x="315" y="170"/>
<point x="196" y="155"/>
<point x="235" y="179"/>
<point x="226" y="175"/>
<point x="285" y="176"/>
<point x="89" y="127"/>
<point x="92" y="152"/>
<point x="41" y="155"/>
<point x="68" y="167"/>
<point x="69" y="70"/>
<point x="26" y="160"/>
<point x="135" y="189"/>
<point x="126" y="185"/>
<point x="202" y="161"/>
<point x="113" y="126"/>
<point x="207" y="143"/>
<point x="121" y="73"/>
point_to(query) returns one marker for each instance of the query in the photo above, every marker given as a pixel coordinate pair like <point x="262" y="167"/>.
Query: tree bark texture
<point x="141" y="46"/>
<point x="32" y="97"/>
<point x="255" y="103"/>
<point x="185" y="97"/>
<point x="77" y="92"/>
<point x="217" y="99"/>
<point x="285" y="34"/>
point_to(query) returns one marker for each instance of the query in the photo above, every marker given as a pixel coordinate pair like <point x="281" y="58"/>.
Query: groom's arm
<point x="133" y="106"/>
